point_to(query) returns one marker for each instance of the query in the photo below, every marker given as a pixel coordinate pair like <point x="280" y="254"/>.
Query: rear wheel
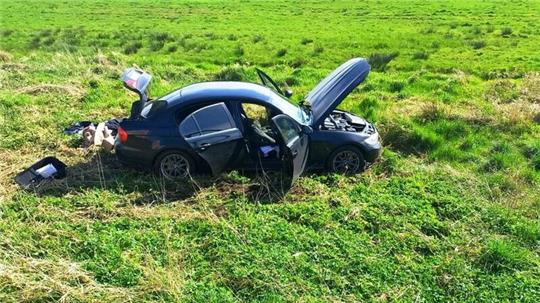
<point x="346" y="160"/>
<point x="174" y="165"/>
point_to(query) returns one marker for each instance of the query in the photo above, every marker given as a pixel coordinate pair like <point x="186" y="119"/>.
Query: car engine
<point x="339" y="120"/>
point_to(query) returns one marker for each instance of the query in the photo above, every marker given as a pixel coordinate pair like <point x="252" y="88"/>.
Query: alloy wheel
<point x="174" y="166"/>
<point x="346" y="161"/>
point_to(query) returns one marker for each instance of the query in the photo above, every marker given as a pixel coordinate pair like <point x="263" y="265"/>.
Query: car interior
<point x="261" y="137"/>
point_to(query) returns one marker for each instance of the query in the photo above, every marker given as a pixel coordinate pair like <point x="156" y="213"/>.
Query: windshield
<point x="281" y="102"/>
<point x="294" y="111"/>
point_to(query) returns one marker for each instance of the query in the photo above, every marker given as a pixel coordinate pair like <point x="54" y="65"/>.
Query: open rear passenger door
<point x="212" y="133"/>
<point x="294" y="147"/>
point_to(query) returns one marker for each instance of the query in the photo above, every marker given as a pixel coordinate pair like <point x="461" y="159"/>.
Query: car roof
<point x="233" y="90"/>
<point x="230" y="91"/>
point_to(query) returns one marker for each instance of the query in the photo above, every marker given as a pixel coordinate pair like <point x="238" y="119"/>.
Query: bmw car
<point x="226" y="125"/>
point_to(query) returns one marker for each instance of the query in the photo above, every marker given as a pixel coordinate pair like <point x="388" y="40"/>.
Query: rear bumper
<point x="132" y="157"/>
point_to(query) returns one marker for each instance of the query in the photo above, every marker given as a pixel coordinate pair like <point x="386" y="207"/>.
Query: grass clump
<point x="211" y="36"/>
<point x="48" y="41"/>
<point x="501" y="254"/>
<point x="297" y="62"/>
<point x="72" y="36"/>
<point x="432" y="111"/>
<point x="305" y="41"/>
<point x="172" y="48"/>
<point x="530" y="88"/>
<point x="379" y="61"/>
<point x="156" y="45"/>
<point x="369" y="107"/>
<point x="281" y="52"/>
<point x="132" y="47"/>
<point x="318" y="49"/>
<point x="6" y="32"/>
<point x="502" y="91"/>
<point x="34" y="42"/>
<point x="476" y="30"/>
<point x="160" y="36"/>
<point x="410" y="138"/>
<point x="257" y="38"/>
<point x="396" y="86"/>
<point x="239" y="51"/>
<point x="428" y="30"/>
<point x="5" y="56"/>
<point x="478" y="44"/>
<point x="421" y="55"/>
<point x="506" y="31"/>
<point x="234" y="72"/>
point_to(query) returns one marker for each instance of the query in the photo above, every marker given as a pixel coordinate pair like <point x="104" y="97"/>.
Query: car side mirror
<point x="306" y="129"/>
<point x="288" y="92"/>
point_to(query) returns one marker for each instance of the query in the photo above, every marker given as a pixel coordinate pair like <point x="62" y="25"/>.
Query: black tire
<point x="174" y="165"/>
<point x="346" y="160"/>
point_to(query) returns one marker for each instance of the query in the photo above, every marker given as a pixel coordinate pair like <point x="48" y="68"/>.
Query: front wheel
<point x="174" y="165"/>
<point x="347" y="160"/>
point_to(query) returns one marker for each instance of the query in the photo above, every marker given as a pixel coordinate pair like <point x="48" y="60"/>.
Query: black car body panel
<point x="206" y="122"/>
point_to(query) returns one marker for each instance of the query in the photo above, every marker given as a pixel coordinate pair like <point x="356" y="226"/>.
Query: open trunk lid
<point x="137" y="80"/>
<point x="331" y="91"/>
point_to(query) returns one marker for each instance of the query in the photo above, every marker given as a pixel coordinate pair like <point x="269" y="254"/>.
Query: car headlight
<point x="373" y="139"/>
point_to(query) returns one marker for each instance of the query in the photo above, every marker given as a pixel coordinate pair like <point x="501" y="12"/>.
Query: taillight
<point x="123" y="135"/>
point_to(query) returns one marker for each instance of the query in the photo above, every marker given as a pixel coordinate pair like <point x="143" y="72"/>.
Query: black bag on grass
<point x="42" y="172"/>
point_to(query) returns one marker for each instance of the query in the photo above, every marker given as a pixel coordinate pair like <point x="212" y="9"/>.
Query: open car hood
<point x="329" y="93"/>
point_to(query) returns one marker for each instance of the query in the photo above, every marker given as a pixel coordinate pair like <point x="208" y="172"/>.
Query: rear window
<point x="153" y="108"/>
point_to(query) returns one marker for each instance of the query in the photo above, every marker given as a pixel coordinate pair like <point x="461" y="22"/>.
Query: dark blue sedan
<point x="225" y="125"/>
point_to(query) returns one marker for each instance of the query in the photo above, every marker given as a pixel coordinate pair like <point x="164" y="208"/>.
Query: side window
<point x="288" y="129"/>
<point x="189" y="128"/>
<point x="213" y="118"/>
<point x="209" y="119"/>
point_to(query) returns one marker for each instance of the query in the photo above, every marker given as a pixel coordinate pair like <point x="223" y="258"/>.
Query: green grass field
<point x="451" y="213"/>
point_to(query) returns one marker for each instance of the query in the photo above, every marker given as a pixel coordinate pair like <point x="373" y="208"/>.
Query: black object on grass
<point x="42" y="172"/>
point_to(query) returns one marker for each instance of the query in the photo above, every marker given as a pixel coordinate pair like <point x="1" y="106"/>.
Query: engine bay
<point x="339" y="120"/>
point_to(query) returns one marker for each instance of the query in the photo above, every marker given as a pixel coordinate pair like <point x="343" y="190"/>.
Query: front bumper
<point x="372" y="146"/>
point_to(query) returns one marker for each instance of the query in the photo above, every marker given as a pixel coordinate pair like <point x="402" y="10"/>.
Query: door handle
<point x="204" y="146"/>
<point x="294" y="154"/>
